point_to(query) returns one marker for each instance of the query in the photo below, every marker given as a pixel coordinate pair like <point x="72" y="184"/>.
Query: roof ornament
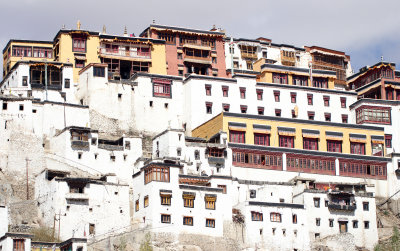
<point x="125" y="32"/>
<point x="154" y="21"/>
<point x="63" y="27"/>
<point x="382" y="58"/>
<point x="104" y="29"/>
<point x="78" y="25"/>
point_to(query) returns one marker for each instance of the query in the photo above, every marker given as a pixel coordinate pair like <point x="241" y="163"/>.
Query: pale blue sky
<point x="364" y="29"/>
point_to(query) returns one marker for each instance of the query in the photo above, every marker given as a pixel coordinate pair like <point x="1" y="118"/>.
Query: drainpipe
<point x="45" y="78"/>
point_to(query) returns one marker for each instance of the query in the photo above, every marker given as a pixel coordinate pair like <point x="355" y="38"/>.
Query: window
<point x="20" y="51"/>
<point x="256" y="216"/>
<point x="311" y="115"/>
<point x="188" y="200"/>
<point x="334" y="146"/>
<point x="310" y="99"/>
<point x="294" y="218"/>
<point x="25" y="81"/>
<point x="259" y="94"/>
<point x="215" y="152"/>
<point x="294" y="114"/>
<point x="357" y="148"/>
<point x="388" y="140"/>
<point x="156" y="173"/>
<point x="188" y="221"/>
<point x="210" y="223"/>
<point x="326" y="101"/>
<point x="180" y="72"/>
<point x="275" y="217"/>
<point x="21" y="107"/>
<point x="345" y="118"/>
<point x="223" y="188"/>
<point x="355" y="224"/>
<point x="365" y="206"/>
<point x="4" y="106"/>
<point x="165" y="218"/>
<point x="242" y="92"/>
<point x="286" y="141"/>
<point x="166" y="199"/>
<point x="343" y="227"/>
<point x="225" y="91"/>
<point x="366" y="224"/>
<point x="197" y="155"/>
<point x="370" y="114"/>
<point x="179" y="56"/>
<point x="260" y="110"/>
<point x="209" y="107"/>
<point x="225" y="107"/>
<point x="300" y="80"/>
<point x="210" y="202"/>
<point x="161" y="88"/>
<point x="343" y="102"/>
<point x="277" y="96"/>
<point x="278" y="112"/>
<point x="146" y="201"/>
<point x="79" y="63"/>
<point x="330" y="222"/>
<point x="99" y="72"/>
<point x="317" y="222"/>
<point x="76" y="187"/>
<point x="137" y="205"/>
<point x="310" y="143"/>
<point x="18" y="245"/>
<point x="214" y="60"/>
<point x="253" y="194"/>
<point x="237" y="136"/>
<point x="293" y="97"/>
<point x="168" y="37"/>
<point x="79" y="45"/>
<point x="327" y="117"/>
<point x="320" y="82"/>
<point x="208" y="90"/>
<point x="316" y="202"/>
<point x="67" y="83"/>
<point x="279" y="78"/>
<point x="261" y="139"/>
<point x="243" y="108"/>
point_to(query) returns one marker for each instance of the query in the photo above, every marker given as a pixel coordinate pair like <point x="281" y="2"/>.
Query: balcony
<point x="197" y="60"/>
<point x="249" y="55"/>
<point x="80" y="144"/>
<point x="196" y="45"/>
<point x="216" y="160"/>
<point x="336" y="206"/>
<point x="77" y="196"/>
<point x="111" y="147"/>
<point x="123" y="54"/>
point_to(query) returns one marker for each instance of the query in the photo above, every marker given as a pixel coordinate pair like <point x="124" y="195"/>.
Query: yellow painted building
<point x="124" y="55"/>
<point x="275" y="127"/>
<point x="17" y="50"/>
<point x="290" y="75"/>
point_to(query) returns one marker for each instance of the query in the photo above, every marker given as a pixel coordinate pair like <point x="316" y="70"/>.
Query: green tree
<point x="146" y="243"/>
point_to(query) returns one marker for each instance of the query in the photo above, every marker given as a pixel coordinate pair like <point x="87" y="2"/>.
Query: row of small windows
<point x="309" y="143"/>
<point x="293" y="95"/>
<point x="188" y="201"/>
<point x="277" y="217"/>
<point x="317" y="203"/>
<point x="187" y="220"/>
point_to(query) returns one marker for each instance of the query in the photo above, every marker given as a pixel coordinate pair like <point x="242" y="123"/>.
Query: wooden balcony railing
<point x="123" y="53"/>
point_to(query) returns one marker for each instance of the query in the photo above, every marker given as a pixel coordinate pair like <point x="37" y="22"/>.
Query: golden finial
<point x="78" y="25"/>
<point x="104" y="29"/>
